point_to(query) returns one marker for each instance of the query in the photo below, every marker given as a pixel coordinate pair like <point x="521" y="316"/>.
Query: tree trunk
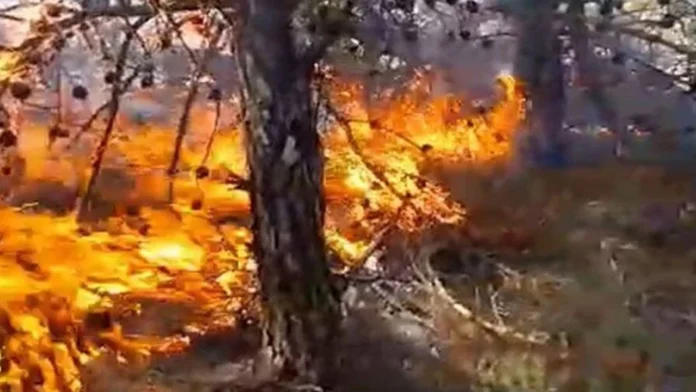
<point x="286" y="177"/>
<point x="538" y="64"/>
<point x="589" y="72"/>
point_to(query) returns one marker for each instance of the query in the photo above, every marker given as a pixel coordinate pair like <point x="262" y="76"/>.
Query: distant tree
<point x="538" y="64"/>
<point x="564" y="46"/>
<point x="592" y="41"/>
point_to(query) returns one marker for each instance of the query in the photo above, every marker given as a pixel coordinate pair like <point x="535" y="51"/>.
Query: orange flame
<point x="59" y="284"/>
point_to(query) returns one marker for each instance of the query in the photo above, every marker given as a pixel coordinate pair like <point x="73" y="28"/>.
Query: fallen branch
<point x="434" y="286"/>
<point x="376" y="242"/>
<point x="394" y="302"/>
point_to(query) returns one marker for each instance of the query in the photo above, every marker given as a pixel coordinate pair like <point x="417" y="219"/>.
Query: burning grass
<point x="65" y="287"/>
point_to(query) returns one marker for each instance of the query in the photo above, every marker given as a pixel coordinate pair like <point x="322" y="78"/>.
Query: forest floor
<point x="574" y="280"/>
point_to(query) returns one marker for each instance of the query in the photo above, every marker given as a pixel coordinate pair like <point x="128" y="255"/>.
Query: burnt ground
<point x="599" y="263"/>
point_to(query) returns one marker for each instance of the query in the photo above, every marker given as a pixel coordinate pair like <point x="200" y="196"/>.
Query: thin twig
<point x="211" y="140"/>
<point x="405" y="312"/>
<point x="182" y="126"/>
<point x="176" y="28"/>
<point x="376" y="242"/>
<point x="87" y="125"/>
<point x="495" y="308"/>
<point x="394" y="132"/>
<point x="39" y="106"/>
<point x="379" y="238"/>
<point x="355" y="147"/>
<point x="59" y="88"/>
<point x="95" y="115"/>
<point x="134" y="31"/>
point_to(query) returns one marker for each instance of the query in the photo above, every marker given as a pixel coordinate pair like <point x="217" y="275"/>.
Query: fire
<point x="9" y="64"/>
<point x="174" y="253"/>
<point x="64" y="289"/>
<point x="378" y="156"/>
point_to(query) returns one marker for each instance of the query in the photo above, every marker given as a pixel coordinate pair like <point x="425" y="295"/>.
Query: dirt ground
<point x="597" y="264"/>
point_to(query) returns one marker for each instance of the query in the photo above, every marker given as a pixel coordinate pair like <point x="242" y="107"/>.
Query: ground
<point x="593" y="280"/>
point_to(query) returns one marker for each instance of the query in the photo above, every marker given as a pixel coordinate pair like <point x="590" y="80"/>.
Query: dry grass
<point x="606" y="267"/>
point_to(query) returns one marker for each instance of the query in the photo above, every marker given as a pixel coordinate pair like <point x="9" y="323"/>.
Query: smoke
<point x="471" y="64"/>
<point x="469" y="51"/>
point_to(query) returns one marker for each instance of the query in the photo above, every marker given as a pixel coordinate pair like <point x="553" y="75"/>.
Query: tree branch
<point x="148" y="10"/>
<point x="655" y="39"/>
<point x="79" y="16"/>
<point x="190" y="98"/>
<point x="95" y="115"/>
<point x="211" y="140"/>
<point x="113" y="112"/>
<point x="353" y="143"/>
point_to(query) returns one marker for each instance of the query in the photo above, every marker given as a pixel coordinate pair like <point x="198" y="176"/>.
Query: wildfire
<point x="64" y="290"/>
<point x="9" y="63"/>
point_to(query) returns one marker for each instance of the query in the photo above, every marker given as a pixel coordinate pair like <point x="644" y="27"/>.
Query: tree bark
<point x="538" y="64"/>
<point x="302" y="313"/>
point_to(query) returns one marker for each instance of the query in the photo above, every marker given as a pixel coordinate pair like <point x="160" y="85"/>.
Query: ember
<point x="65" y="288"/>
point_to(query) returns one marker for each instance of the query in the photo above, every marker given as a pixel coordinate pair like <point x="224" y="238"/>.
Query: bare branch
<point x="656" y="39"/>
<point x="190" y="98"/>
<point x="95" y="115"/>
<point x="353" y="143"/>
<point x="211" y="140"/>
<point x="114" y="104"/>
<point x="148" y="10"/>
